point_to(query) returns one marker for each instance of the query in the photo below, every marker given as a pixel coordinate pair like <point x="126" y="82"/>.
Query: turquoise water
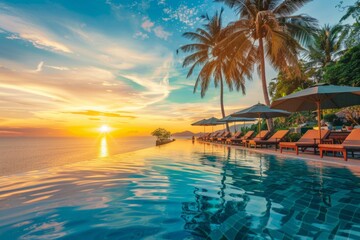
<point x="183" y="191"/>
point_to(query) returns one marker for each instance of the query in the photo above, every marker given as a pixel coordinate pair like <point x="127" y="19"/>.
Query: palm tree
<point x="207" y="55"/>
<point x="266" y="29"/>
<point x="353" y="30"/>
<point x="326" y="47"/>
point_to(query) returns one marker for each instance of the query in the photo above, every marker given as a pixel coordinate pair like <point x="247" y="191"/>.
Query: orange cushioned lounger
<point x="273" y="140"/>
<point x="235" y="136"/>
<point x="261" y="136"/>
<point x="351" y="143"/>
<point x="223" y="138"/>
<point x="309" y="139"/>
<point x="247" y="136"/>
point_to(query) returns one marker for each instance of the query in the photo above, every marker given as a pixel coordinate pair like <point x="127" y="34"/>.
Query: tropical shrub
<point x="161" y="134"/>
<point x="346" y="71"/>
<point x="292" y="137"/>
<point x="333" y="119"/>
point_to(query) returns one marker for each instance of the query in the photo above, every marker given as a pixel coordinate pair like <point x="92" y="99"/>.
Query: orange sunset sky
<point x="69" y="67"/>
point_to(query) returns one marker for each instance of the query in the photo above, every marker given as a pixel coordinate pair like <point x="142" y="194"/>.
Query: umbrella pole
<point x="319" y="120"/>
<point x="259" y="126"/>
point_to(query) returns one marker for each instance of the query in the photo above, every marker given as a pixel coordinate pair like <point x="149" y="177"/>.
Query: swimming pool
<point x="183" y="191"/>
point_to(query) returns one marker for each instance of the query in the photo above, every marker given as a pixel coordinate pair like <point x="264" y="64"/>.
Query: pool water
<point x="183" y="190"/>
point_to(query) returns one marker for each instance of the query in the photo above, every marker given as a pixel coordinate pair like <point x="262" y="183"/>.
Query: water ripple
<point x="182" y="191"/>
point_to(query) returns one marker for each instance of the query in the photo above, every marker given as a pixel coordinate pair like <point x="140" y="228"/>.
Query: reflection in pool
<point x="183" y="191"/>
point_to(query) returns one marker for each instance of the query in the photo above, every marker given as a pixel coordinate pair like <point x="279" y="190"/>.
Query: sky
<point x="68" y="67"/>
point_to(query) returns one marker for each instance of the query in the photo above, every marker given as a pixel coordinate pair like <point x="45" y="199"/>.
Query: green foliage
<point x="286" y="84"/>
<point x="255" y="127"/>
<point x="161" y="134"/>
<point x="292" y="137"/>
<point x="333" y="119"/>
<point x="346" y="71"/>
<point x="328" y="43"/>
<point x="353" y="31"/>
<point x="294" y="120"/>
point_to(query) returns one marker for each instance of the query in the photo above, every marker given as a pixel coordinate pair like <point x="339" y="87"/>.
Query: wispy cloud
<point x="19" y="28"/>
<point x="147" y="25"/>
<point x="30" y="131"/>
<point x="161" y="33"/>
<point x="101" y="114"/>
<point x="39" y="67"/>
<point x="140" y="35"/>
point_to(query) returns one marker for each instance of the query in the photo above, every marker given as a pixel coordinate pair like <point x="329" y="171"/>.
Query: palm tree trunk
<point x="263" y="81"/>
<point x="222" y="102"/>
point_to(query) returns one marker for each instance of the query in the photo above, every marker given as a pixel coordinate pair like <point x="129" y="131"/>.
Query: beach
<point x="19" y="155"/>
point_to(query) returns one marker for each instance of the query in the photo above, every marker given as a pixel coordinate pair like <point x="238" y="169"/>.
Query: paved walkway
<point x="307" y="156"/>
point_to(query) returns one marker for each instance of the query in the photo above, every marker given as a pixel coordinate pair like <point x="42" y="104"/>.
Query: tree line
<point x="271" y="32"/>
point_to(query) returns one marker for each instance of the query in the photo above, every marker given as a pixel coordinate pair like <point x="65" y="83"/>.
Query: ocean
<point x="19" y="155"/>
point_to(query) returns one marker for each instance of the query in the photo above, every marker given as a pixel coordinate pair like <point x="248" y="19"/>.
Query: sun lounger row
<point x="309" y="140"/>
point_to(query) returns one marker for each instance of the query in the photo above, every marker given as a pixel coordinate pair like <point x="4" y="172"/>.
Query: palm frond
<point x="193" y="47"/>
<point x="351" y="11"/>
<point x="199" y="62"/>
<point x="197" y="37"/>
<point x="288" y="7"/>
<point x="301" y="27"/>
<point x="194" y="57"/>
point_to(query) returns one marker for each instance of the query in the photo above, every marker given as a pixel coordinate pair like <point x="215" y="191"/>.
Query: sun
<point x="104" y="129"/>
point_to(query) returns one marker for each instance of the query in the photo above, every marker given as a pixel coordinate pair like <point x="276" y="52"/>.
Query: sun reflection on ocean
<point x="103" y="151"/>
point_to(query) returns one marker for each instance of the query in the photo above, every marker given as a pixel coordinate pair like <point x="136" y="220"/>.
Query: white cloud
<point x="60" y="68"/>
<point x="39" y="67"/>
<point x="147" y="25"/>
<point x="112" y="4"/>
<point x="184" y="14"/>
<point x="156" y="90"/>
<point x="23" y="29"/>
<point x="140" y="35"/>
<point x="161" y="33"/>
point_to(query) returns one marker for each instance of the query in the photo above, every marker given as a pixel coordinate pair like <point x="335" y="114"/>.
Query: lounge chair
<point x="215" y="136"/>
<point x="260" y="136"/>
<point x="273" y="140"/>
<point x="219" y="136"/>
<point x="211" y="135"/>
<point x="223" y="138"/>
<point x="351" y="143"/>
<point x="309" y="139"/>
<point x="235" y="136"/>
<point x="204" y="136"/>
<point x="247" y="136"/>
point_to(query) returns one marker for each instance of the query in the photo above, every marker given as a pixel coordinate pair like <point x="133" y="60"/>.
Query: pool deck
<point x="307" y="155"/>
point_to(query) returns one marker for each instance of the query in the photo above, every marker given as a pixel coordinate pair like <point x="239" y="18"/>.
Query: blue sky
<point x="70" y="64"/>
